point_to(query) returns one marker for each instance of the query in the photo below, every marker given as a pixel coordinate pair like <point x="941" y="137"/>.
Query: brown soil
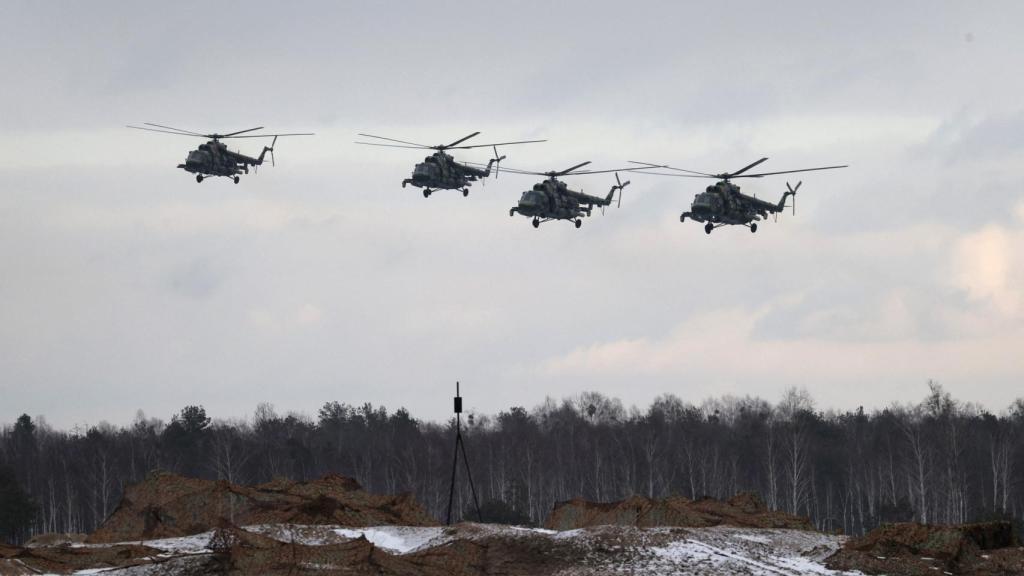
<point x="911" y="549"/>
<point x="7" y="551"/>
<point x="241" y="552"/>
<point x="166" y="505"/>
<point x="744" y="510"/>
<point x="66" y="559"/>
<point x="473" y="552"/>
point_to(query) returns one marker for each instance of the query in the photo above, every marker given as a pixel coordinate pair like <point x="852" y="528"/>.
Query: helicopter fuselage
<point x="214" y="159"/>
<point x="723" y="203"/>
<point x="552" y="199"/>
<point x="441" y="172"/>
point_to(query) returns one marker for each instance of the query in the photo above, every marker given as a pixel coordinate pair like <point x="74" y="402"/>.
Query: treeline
<point x="939" y="461"/>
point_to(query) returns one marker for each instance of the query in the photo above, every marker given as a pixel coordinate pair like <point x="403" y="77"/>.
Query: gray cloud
<point x="126" y="285"/>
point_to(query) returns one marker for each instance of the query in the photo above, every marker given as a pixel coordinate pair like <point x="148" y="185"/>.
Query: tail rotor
<point x="497" y="162"/>
<point x="620" y="187"/>
<point x="792" y="192"/>
<point x="264" y="153"/>
<point x="611" y="193"/>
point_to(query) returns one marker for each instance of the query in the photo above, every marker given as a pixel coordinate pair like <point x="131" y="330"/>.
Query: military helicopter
<point x="440" y="171"/>
<point x="552" y="199"/>
<point x="722" y="203"/>
<point x="213" y="158"/>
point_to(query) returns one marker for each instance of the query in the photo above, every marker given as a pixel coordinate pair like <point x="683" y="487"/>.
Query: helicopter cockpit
<point x="426" y="170"/>
<point x="705" y="201"/>
<point x="535" y="197"/>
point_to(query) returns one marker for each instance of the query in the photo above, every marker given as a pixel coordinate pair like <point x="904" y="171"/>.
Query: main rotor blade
<point x="272" y="135"/>
<point x="567" y="170"/>
<point x="167" y="132"/>
<point x="175" y="129"/>
<point x="511" y="170"/>
<point x="241" y="132"/>
<point x="394" y="140"/>
<point x="524" y="172"/>
<point x="517" y="171"/>
<point x="493" y="144"/>
<point x="460" y="140"/>
<point x="742" y="170"/>
<point x="791" y="171"/>
<point x="640" y="171"/>
<point x="393" y="145"/>
<point x="585" y="172"/>
<point x="564" y="173"/>
<point x="667" y="167"/>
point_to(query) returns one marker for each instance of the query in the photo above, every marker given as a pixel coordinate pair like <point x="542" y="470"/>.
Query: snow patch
<point x="396" y="539"/>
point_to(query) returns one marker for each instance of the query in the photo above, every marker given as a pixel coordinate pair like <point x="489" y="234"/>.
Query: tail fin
<point x="619" y="187"/>
<point x="264" y="153"/>
<point x="496" y="160"/>
<point x="791" y="191"/>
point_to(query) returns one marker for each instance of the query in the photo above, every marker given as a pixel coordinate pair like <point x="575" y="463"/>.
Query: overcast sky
<point x="125" y="285"/>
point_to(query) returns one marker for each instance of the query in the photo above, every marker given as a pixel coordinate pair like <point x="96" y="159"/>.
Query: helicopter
<point x="440" y="171"/>
<point x="552" y="199"/>
<point x="722" y="204"/>
<point x="213" y="158"/>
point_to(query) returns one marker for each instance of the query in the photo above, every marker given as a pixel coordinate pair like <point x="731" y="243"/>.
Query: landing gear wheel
<point x="682" y="217"/>
<point x="512" y="212"/>
<point x="709" y="227"/>
<point x="199" y="178"/>
<point x="236" y="179"/>
<point x="753" y="228"/>
<point x="426" y="193"/>
<point x="536" y="223"/>
<point x="465" y="192"/>
<point x="578" y="222"/>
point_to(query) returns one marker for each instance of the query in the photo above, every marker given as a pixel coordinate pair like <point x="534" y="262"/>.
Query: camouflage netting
<point x="911" y="549"/>
<point x="166" y="505"/>
<point x="744" y="510"/>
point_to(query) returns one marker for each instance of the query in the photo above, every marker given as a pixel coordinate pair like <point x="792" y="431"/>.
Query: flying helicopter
<point x="722" y="204"/>
<point x="440" y="171"/>
<point x="552" y="199"/>
<point x="213" y="158"/>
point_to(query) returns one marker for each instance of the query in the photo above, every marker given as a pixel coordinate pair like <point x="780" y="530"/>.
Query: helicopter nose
<point x="527" y="203"/>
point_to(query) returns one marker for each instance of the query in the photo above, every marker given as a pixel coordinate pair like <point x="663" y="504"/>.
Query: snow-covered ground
<point x="602" y="550"/>
<point x="738" y="551"/>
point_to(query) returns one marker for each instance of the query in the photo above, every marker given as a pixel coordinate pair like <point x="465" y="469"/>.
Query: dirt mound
<point x="460" y="550"/>
<point x="913" y="549"/>
<point x="241" y="552"/>
<point x="67" y="559"/>
<point x="166" y="505"/>
<point x="744" y="510"/>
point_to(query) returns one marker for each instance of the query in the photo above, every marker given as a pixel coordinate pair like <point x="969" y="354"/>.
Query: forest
<point x="937" y="461"/>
